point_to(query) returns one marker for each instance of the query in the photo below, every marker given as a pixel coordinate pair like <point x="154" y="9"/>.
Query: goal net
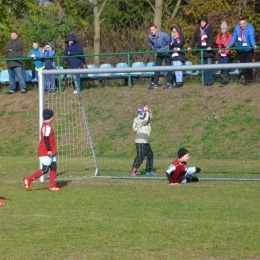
<point x="75" y="150"/>
<point x="106" y="116"/>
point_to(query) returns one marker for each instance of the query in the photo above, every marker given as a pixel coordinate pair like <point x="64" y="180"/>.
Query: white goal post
<point x="82" y="159"/>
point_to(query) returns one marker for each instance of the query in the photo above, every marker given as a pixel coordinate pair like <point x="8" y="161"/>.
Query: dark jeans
<point x="18" y="72"/>
<point x="143" y="150"/>
<point x="159" y="60"/>
<point x="208" y="74"/>
<point x="244" y="57"/>
<point x="223" y="60"/>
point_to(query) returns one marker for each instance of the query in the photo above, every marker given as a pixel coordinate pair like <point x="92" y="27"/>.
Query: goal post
<point x="75" y="149"/>
<point x="76" y="157"/>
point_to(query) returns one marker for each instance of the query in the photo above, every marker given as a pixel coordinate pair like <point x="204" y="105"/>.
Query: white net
<point x="75" y="152"/>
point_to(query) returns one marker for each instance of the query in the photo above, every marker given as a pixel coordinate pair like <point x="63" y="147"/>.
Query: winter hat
<point x="182" y="152"/>
<point x="47" y="114"/>
<point x="223" y="25"/>
<point x="48" y="43"/>
<point x="140" y="110"/>
<point x="204" y="18"/>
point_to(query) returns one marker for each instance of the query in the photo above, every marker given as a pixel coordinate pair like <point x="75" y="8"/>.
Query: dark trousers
<point x="143" y="150"/>
<point x="244" y="57"/>
<point x="159" y="60"/>
<point x="208" y="74"/>
<point x="223" y="60"/>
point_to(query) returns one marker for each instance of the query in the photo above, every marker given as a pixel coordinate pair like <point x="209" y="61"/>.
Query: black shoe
<point x="153" y="86"/>
<point x="167" y="86"/>
<point x="23" y="91"/>
<point x="222" y="83"/>
<point x="10" y="92"/>
<point x="194" y="178"/>
<point x="178" y="85"/>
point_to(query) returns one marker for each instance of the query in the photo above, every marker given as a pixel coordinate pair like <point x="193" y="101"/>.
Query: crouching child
<point x="179" y="173"/>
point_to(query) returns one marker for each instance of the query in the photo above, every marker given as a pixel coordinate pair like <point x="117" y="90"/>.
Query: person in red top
<point x="178" y="172"/>
<point x="222" y="41"/>
<point x="46" y="152"/>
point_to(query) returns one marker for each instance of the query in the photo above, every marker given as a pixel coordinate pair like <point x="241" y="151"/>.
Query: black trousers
<point x="244" y="57"/>
<point x="143" y="150"/>
<point x="159" y="60"/>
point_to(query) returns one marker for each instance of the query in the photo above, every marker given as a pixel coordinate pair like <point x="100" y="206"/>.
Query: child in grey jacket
<point x="142" y="127"/>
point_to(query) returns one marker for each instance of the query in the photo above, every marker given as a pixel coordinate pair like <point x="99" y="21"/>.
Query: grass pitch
<point x="126" y="219"/>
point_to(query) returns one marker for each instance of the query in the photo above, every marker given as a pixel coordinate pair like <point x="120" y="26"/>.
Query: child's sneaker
<point x="54" y="188"/>
<point x="27" y="184"/>
<point x="2" y="203"/>
<point x="150" y="174"/>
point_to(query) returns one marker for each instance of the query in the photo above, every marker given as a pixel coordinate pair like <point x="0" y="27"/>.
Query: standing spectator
<point x="160" y="41"/>
<point x="49" y="64"/>
<point x="222" y="41"/>
<point x="36" y="53"/>
<point x="244" y="35"/>
<point x="177" y="42"/>
<point x="14" y="49"/>
<point x="178" y="172"/>
<point x="204" y="39"/>
<point x="142" y="127"/>
<point x="46" y="152"/>
<point x="73" y="47"/>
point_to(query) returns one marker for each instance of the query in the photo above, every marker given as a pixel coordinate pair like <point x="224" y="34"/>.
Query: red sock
<point x="35" y="175"/>
<point x="53" y="176"/>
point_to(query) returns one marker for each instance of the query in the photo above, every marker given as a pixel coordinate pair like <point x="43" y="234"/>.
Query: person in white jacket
<point x="142" y="127"/>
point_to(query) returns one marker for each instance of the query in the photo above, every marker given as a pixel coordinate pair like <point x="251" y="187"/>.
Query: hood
<point x="176" y="26"/>
<point x="48" y="43"/>
<point x="71" y="37"/>
<point x="204" y="18"/>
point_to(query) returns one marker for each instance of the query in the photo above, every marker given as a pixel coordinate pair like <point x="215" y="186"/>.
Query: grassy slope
<point x="211" y="122"/>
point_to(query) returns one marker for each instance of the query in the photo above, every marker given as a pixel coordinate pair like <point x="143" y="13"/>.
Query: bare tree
<point x="157" y="8"/>
<point x="97" y="22"/>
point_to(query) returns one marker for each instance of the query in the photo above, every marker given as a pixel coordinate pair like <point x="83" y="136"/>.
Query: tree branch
<point x="101" y="8"/>
<point x="150" y="4"/>
<point x="177" y="6"/>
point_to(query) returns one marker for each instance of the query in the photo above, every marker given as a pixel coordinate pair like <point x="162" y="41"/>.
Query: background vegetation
<point x="105" y="26"/>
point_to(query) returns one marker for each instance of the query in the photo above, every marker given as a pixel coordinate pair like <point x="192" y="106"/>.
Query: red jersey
<point x="47" y="131"/>
<point x="177" y="171"/>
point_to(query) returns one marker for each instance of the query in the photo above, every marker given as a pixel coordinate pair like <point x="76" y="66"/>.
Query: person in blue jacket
<point x="160" y="41"/>
<point x="178" y="58"/>
<point x="49" y="64"/>
<point x="73" y="47"/>
<point x="244" y="35"/>
<point x="35" y="54"/>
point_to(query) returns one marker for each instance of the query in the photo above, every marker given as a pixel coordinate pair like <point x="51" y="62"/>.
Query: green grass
<point x="126" y="219"/>
<point x="138" y="219"/>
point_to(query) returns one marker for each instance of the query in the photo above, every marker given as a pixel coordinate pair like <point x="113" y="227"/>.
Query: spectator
<point x="178" y="172"/>
<point x="177" y="42"/>
<point x="142" y="127"/>
<point x="222" y="41"/>
<point x="160" y="41"/>
<point x="49" y="64"/>
<point x="244" y="35"/>
<point x="35" y="53"/>
<point x="72" y="48"/>
<point x="204" y="39"/>
<point x="14" y="49"/>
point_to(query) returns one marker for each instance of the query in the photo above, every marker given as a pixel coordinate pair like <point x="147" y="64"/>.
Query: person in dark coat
<point x="204" y="39"/>
<point x="14" y="49"/>
<point x="177" y="58"/>
<point x="73" y="47"/>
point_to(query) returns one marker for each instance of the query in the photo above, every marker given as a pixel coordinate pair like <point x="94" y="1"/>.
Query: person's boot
<point x="222" y="83"/>
<point x="225" y="78"/>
